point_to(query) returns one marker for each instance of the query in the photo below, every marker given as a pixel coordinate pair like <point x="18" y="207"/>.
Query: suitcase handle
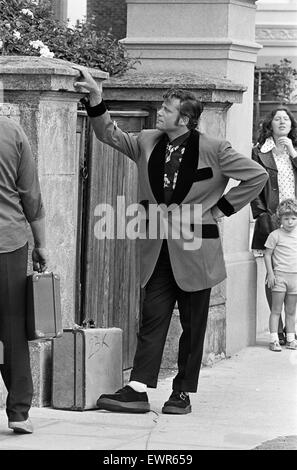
<point x="85" y="324"/>
<point x="88" y="323"/>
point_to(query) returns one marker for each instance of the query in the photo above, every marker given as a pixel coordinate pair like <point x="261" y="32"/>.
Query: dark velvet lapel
<point x="187" y="169"/>
<point x="156" y="168"/>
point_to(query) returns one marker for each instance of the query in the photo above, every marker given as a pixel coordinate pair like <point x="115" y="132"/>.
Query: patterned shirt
<point x="285" y="176"/>
<point x="173" y="157"/>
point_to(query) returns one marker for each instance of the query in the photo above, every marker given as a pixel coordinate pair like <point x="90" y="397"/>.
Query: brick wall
<point x="110" y="14"/>
<point x="59" y="8"/>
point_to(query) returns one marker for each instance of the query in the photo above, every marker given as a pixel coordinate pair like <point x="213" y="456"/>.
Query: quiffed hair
<point x="286" y="207"/>
<point x="189" y="105"/>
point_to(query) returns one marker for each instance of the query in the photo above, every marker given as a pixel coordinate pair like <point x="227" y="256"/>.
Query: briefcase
<point x="86" y="362"/>
<point x="43" y="316"/>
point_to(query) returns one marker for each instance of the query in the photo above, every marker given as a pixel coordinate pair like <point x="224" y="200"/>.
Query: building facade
<point x="276" y="31"/>
<point x="276" y="26"/>
<point x="109" y="16"/>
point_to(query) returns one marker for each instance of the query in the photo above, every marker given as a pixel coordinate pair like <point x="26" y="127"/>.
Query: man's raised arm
<point x="105" y="129"/>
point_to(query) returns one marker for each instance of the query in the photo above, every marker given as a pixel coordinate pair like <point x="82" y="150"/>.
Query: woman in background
<point x="276" y="151"/>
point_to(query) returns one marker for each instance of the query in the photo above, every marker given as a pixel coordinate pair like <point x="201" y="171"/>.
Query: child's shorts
<point x="285" y="282"/>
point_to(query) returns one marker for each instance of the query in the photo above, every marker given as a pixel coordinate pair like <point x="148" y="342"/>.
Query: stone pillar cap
<point x="41" y="73"/>
<point x="178" y="79"/>
<point x="206" y="86"/>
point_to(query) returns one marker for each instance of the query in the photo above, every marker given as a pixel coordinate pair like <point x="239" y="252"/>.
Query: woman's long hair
<point x="266" y="127"/>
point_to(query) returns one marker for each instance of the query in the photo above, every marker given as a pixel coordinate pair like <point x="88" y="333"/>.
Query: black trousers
<point x="15" y="371"/>
<point x="161" y="293"/>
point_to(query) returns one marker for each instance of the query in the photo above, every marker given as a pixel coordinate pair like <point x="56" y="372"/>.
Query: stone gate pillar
<point x="216" y="37"/>
<point x="39" y="94"/>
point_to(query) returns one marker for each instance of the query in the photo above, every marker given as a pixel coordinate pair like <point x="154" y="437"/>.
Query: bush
<point x="29" y="28"/>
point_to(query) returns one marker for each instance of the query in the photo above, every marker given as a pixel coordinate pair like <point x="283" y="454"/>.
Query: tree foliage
<point x="28" y="27"/>
<point x="276" y="81"/>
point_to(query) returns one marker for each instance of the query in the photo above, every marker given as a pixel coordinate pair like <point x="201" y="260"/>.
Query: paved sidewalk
<point x="245" y="402"/>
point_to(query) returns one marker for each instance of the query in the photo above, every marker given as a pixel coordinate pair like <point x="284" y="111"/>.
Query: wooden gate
<point x="109" y="288"/>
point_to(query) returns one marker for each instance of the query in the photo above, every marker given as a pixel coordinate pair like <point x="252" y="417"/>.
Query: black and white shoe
<point x="124" y="400"/>
<point x="178" y="404"/>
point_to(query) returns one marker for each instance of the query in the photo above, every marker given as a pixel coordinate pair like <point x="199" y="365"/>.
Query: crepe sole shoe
<point x="178" y="404"/>
<point x="130" y="407"/>
<point x="175" y="410"/>
<point x="126" y="399"/>
<point x="21" y="427"/>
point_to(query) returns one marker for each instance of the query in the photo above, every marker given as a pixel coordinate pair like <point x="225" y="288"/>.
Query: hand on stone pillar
<point x="86" y="81"/>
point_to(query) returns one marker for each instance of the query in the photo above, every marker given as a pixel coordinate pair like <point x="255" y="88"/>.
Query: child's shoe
<point x="275" y="346"/>
<point x="292" y="344"/>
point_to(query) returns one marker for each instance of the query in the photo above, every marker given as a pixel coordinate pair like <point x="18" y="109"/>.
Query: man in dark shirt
<point x="178" y="168"/>
<point x="20" y="204"/>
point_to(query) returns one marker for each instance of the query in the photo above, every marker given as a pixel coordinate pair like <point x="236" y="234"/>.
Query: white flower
<point x="7" y="25"/>
<point x="28" y="12"/>
<point x="45" y="52"/>
<point x="1" y="44"/>
<point x="17" y="34"/>
<point x="36" y="44"/>
<point x="43" y="48"/>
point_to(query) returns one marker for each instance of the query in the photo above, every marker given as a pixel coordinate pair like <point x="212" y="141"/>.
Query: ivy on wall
<point x="28" y="27"/>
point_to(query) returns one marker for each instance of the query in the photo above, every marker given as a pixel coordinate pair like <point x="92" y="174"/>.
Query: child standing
<point x="281" y="265"/>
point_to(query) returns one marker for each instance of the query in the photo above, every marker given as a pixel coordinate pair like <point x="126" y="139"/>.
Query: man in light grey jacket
<point x="186" y="172"/>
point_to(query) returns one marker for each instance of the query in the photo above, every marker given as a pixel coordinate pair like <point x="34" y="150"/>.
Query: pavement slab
<point x="246" y="402"/>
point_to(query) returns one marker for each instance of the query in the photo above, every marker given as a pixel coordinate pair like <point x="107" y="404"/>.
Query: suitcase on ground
<point x="43" y="316"/>
<point x="86" y="363"/>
